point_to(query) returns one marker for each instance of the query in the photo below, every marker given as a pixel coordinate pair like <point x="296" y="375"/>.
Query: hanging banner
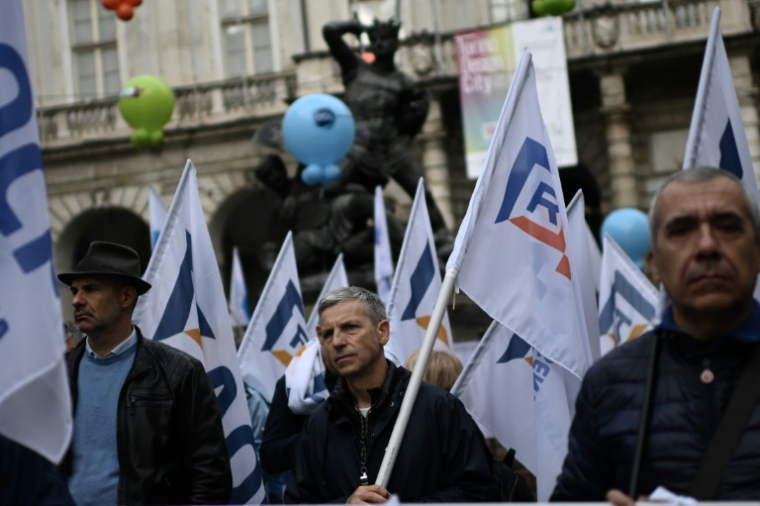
<point x="487" y="60"/>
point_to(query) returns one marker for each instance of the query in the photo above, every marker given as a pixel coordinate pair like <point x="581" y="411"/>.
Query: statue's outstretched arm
<point x="333" y="34"/>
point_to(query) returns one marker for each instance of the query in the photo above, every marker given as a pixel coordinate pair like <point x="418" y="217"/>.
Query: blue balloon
<point x="312" y="175"/>
<point x="318" y="130"/>
<point x="629" y="228"/>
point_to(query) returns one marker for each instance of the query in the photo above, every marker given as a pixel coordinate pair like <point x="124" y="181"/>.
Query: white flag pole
<point x="391" y="451"/>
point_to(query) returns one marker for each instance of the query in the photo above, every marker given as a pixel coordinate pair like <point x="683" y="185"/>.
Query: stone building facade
<point x="234" y="64"/>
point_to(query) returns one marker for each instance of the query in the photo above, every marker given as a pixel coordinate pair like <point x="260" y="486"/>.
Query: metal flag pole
<point x="391" y="451"/>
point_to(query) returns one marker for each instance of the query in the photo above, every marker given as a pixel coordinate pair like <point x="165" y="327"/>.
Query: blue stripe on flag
<point x="531" y="153"/>
<point x="729" y="153"/>
<point x="180" y="301"/>
<point x="420" y="280"/>
<point x="630" y="294"/>
<point x="282" y="315"/>
<point x="517" y="348"/>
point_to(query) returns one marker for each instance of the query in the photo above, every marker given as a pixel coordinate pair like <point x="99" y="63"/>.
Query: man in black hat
<point x="169" y="445"/>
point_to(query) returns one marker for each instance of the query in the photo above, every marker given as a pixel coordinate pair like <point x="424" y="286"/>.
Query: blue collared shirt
<point x="747" y="332"/>
<point x="118" y="349"/>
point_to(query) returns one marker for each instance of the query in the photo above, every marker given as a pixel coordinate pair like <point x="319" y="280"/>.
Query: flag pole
<point x="391" y="451"/>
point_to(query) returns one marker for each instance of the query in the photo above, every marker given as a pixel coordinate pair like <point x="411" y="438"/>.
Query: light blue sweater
<point x="95" y="477"/>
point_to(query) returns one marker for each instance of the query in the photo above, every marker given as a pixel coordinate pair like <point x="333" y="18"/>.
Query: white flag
<point x="581" y="252"/>
<point x="514" y="261"/>
<point x="239" y="305"/>
<point x="186" y="308"/>
<point x="338" y="278"/>
<point x="595" y="257"/>
<point x="158" y="212"/>
<point x="277" y="329"/>
<point x="511" y="252"/>
<point x="415" y="287"/>
<point x="496" y="387"/>
<point x="716" y="135"/>
<point x="305" y="375"/>
<point x="627" y="299"/>
<point x="383" y="258"/>
<point x="35" y="404"/>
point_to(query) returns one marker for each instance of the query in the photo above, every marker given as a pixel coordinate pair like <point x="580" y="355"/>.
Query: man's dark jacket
<point x="443" y="457"/>
<point x="170" y="438"/>
<point x="278" y="446"/>
<point x="26" y="477"/>
<point x="686" y="413"/>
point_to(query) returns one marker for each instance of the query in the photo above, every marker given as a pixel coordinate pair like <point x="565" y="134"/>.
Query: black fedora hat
<point x="108" y="259"/>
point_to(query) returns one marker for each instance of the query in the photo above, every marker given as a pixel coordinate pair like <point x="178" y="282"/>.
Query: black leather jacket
<point x="170" y="437"/>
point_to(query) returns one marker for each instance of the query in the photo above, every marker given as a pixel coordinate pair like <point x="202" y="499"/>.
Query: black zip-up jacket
<point x="685" y="414"/>
<point x="278" y="445"/>
<point x="169" y="433"/>
<point x="443" y="457"/>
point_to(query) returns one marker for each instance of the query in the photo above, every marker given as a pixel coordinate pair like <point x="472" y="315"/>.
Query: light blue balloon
<point x="318" y="130"/>
<point x="315" y="174"/>
<point x="312" y="175"/>
<point x="630" y="229"/>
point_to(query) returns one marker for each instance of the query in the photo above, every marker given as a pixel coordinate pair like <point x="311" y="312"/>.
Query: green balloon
<point x="146" y="103"/>
<point x="539" y="7"/>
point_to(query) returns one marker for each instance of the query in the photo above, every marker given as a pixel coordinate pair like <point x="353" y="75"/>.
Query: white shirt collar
<point x="120" y="348"/>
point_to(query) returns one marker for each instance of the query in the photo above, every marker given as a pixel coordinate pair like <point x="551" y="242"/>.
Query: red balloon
<point x="111" y="5"/>
<point x="125" y="11"/>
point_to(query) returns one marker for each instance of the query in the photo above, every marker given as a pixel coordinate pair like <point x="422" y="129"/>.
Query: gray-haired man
<point x="443" y="457"/>
<point x="706" y="253"/>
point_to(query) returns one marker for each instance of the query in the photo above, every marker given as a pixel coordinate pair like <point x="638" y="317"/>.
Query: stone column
<point x="435" y="162"/>
<point x="622" y="169"/>
<point x="746" y="92"/>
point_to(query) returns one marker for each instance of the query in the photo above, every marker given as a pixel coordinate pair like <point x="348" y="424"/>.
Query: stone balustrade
<point x="202" y="104"/>
<point x="610" y="28"/>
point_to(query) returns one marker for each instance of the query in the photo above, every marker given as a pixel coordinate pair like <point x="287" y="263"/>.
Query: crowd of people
<point x="677" y="407"/>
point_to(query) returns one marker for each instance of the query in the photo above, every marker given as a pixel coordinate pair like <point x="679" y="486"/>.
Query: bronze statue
<point x="389" y="110"/>
<point x="324" y="227"/>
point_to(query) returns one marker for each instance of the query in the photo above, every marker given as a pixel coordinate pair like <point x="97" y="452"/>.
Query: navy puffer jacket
<point x="686" y="413"/>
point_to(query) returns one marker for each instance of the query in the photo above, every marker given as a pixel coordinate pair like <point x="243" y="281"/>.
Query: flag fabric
<point x="511" y="252"/>
<point x="186" y="308"/>
<point x="305" y="379"/>
<point x="628" y="301"/>
<point x="338" y="278"/>
<point x="277" y="330"/>
<point x="35" y="404"/>
<point x="716" y="136"/>
<point x="158" y="212"/>
<point x="239" y="306"/>
<point x="304" y="376"/>
<point x="581" y="252"/>
<point x="496" y="387"/>
<point x="514" y="255"/>
<point x="595" y="257"/>
<point x="415" y="287"/>
<point x="383" y="258"/>
<point x="533" y="414"/>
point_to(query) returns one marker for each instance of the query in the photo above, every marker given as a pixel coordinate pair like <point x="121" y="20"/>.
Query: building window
<point x="96" y="63"/>
<point x="502" y="11"/>
<point x="248" y="44"/>
<point x="95" y="59"/>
